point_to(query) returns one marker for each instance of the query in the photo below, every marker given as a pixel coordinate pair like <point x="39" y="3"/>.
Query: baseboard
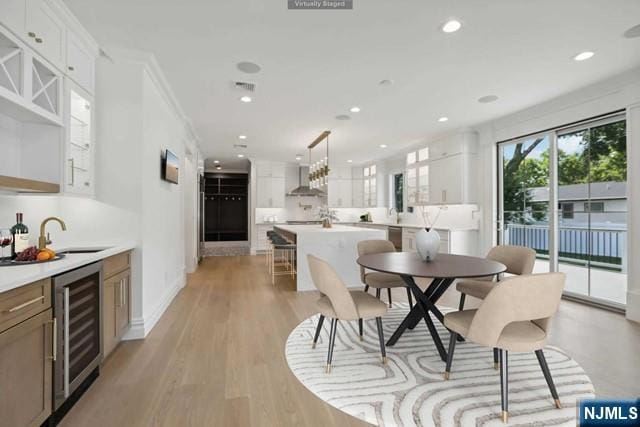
<point x="141" y="326"/>
<point x="633" y="306"/>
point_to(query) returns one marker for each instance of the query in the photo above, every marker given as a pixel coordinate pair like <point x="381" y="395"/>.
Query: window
<point x="398" y="192"/>
<point x="370" y="189"/>
<point x="596" y="207"/>
<point x="418" y="177"/>
<point x="567" y="210"/>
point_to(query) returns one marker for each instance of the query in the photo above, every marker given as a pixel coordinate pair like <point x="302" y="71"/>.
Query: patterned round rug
<point x="410" y="389"/>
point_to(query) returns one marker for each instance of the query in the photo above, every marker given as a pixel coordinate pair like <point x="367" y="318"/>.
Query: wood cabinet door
<point x="26" y="363"/>
<point x="123" y="319"/>
<point x="109" y="328"/>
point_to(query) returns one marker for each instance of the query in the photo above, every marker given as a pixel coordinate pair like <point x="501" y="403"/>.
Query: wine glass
<point x="5" y="239"/>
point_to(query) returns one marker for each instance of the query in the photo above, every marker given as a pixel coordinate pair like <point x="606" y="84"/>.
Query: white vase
<point x="427" y="243"/>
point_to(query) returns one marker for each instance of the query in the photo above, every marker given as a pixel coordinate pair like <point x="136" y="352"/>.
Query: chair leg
<point x="378" y="293"/>
<point x="366" y="288"/>
<point x="547" y="376"/>
<point x="452" y="347"/>
<point x="381" y="338"/>
<point x="318" y="329"/>
<point x="461" y="304"/>
<point x="360" y="328"/>
<point x="495" y="358"/>
<point x="389" y="295"/>
<point x="504" y="384"/>
<point x="410" y="298"/>
<point x="332" y="341"/>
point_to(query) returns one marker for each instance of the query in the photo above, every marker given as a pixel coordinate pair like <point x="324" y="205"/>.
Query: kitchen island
<point x="336" y="245"/>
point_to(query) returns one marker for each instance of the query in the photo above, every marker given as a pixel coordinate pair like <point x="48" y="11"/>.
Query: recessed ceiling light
<point x="298" y="157"/>
<point x="443" y="119"/>
<point x="246" y="99"/>
<point x="241" y="155"/>
<point x="248" y="67"/>
<point x="583" y="56"/>
<point x="342" y="117"/>
<point x="218" y="167"/>
<point x="383" y="145"/>
<point x="349" y="161"/>
<point x="487" y="99"/>
<point x="216" y="161"/>
<point x="355" y="109"/>
<point x="632" y="32"/>
<point x="451" y="26"/>
<point x="242" y="136"/>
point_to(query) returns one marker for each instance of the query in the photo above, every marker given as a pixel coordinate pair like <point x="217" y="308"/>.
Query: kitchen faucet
<point x="397" y="214"/>
<point x="44" y="241"/>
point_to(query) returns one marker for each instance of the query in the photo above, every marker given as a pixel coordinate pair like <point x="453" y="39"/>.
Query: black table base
<point x="425" y="303"/>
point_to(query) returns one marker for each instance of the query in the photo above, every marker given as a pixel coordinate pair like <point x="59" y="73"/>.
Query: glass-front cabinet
<point x="80" y="142"/>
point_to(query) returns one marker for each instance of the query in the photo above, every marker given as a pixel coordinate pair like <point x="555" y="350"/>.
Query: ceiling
<point x="317" y="64"/>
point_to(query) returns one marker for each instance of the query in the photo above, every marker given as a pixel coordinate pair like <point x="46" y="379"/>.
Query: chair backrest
<point x="366" y="247"/>
<point x="532" y="298"/>
<point x="518" y="259"/>
<point x="326" y="279"/>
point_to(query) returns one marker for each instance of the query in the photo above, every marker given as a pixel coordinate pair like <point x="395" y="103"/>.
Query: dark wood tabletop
<point x="443" y="267"/>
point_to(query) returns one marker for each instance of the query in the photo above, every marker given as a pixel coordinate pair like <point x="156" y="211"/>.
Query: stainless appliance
<point x="303" y="189"/>
<point x="395" y="236"/>
<point x="77" y="296"/>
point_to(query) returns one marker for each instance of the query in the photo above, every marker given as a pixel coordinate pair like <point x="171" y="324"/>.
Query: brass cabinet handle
<point x="38" y="40"/>
<point x="31" y="34"/>
<point x="71" y="68"/>
<point x="73" y="173"/>
<point x="26" y="304"/>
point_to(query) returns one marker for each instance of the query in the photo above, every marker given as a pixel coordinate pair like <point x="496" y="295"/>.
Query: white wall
<point x="616" y="93"/>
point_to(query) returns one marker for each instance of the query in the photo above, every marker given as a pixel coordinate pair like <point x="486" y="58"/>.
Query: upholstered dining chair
<point x="378" y="280"/>
<point x="339" y="303"/>
<point x="514" y="316"/>
<point x="519" y="260"/>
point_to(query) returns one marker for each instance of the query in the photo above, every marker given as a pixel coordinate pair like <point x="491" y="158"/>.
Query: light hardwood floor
<point x="216" y="357"/>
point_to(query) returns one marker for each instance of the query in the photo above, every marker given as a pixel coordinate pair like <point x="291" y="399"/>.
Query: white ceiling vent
<point x="246" y="86"/>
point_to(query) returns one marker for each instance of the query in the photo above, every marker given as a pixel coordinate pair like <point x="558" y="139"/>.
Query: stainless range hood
<point x="303" y="189"/>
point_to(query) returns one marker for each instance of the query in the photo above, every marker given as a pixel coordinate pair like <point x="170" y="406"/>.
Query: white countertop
<point x="14" y="276"/>
<point x="318" y="228"/>
<point x="409" y="225"/>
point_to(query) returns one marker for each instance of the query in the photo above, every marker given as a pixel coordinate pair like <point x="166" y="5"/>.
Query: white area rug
<point x="410" y="389"/>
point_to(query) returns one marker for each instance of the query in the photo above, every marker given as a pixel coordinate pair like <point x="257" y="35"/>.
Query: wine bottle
<point x="20" y="234"/>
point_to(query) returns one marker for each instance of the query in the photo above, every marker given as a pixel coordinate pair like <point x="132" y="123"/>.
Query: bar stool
<point x="283" y="257"/>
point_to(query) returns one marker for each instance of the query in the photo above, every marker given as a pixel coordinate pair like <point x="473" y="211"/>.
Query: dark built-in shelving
<point x="226" y="204"/>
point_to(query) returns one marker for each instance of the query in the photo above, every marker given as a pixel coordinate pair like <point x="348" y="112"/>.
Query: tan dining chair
<point x="339" y="303"/>
<point x="519" y="260"/>
<point x="514" y="316"/>
<point x="378" y="280"/>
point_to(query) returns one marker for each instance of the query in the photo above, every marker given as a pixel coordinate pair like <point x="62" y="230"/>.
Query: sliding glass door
<point x="578" y="174"/>
<point x="592" y="214"/>
<point x="523" y="182"/>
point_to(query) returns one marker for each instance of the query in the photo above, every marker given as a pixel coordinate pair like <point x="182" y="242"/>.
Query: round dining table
<point x="444" y="270"/>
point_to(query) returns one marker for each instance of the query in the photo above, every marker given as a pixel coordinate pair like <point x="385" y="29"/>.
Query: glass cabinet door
<point x="79" y="166"/>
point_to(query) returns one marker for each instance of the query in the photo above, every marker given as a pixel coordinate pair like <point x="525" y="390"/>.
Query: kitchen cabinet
<point x="357" y="192"/>
<point x="116" y="306"/>
<point x="80" y="147"/>
<point x="12" y="15"/>
<point x="80" y="63"/>
<point x="409" y="240"/>
<point x="27" y="353"/>
<point x="340" y="191"/>
<point x="452" y="180"/>
<point x="270" y="185"/>
<point x="45" y="32"/>
<point x="459" y="242"/>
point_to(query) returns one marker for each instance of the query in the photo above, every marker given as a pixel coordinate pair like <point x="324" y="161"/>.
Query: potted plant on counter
<point x="327" y="216"/>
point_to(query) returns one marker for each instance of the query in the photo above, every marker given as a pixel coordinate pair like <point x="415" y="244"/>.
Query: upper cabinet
<point x="47" y="66"/>
<point x="45" y="32"/>
<point x="443" y="172"/>
<point x="270" y="185"/>
<point x="340" y="188"/>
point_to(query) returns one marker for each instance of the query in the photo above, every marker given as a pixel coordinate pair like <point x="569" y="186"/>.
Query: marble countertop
<point x="318" y="228"/>
<point x="14" y="276"/>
